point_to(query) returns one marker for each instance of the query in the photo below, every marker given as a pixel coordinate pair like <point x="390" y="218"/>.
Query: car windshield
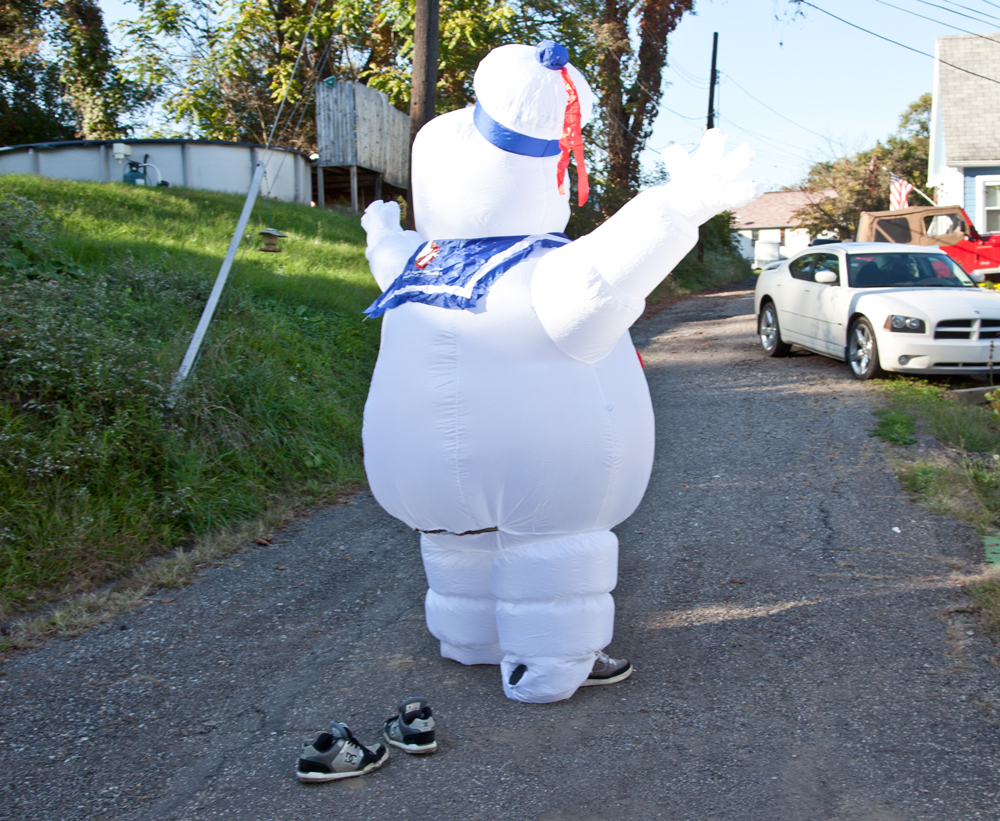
<point x="902" y="270"/>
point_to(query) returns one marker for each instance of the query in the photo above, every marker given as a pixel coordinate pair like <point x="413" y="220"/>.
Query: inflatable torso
<point x="475" y="419"/>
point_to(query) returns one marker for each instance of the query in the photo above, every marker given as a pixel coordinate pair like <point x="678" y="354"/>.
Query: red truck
<point x="947" y="226"/>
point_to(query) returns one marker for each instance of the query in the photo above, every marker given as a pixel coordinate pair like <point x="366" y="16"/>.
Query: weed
<point x="985" y="595"/>
<point x="894" y="426"/>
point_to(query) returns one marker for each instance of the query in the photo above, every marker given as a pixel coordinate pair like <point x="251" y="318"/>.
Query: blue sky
<point x="822" y="88"/>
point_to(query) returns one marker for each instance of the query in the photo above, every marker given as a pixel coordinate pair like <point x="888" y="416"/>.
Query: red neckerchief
<point x="572" y="140"/>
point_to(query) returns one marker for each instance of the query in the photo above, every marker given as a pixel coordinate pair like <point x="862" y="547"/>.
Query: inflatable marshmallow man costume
<point x="508" y="418"/>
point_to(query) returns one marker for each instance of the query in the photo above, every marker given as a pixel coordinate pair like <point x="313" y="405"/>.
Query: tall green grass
<point x="100" y="289"/>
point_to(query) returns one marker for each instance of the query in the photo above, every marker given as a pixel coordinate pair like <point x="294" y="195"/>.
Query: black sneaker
<point x="608" y="670"/>
<point x="412" y="729"/>
<point x="338" y="754"/>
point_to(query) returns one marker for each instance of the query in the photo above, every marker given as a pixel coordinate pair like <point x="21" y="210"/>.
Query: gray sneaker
<point x="412" y="729"/>
<point x="338" y="754"/>
<point x="608" y="670"/>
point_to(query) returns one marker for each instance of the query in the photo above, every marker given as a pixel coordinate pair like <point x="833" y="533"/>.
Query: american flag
<point x="899" y="192"/>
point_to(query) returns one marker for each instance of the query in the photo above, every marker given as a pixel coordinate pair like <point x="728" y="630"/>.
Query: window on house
<point x="991" y="196"/>
<point x="782" y="236"/>
<point x="755" y="234"/>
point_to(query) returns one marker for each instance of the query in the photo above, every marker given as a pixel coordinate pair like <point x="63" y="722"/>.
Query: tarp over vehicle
<point x="920" y="225"/>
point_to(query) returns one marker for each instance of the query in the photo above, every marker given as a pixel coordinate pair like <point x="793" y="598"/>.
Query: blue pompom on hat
<point x="551" y="55"/>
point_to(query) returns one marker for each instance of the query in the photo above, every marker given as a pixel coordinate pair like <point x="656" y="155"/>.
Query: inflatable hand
<point x="381" y="218"/>
<point x="588" y="293"/>
<point x="701" y="183"/>
<point x="389" y="246"/>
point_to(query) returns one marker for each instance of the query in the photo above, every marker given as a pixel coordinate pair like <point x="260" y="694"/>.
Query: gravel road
<point x="799" y="649"/>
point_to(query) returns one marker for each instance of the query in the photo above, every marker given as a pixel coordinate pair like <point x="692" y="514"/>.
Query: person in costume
<point x="508" y="418"/>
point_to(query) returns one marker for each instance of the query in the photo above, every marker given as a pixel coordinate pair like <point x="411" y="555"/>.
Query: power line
<point x="969" y="8"/>
<point x="773" y="111"/>
<point x="776" y="144"/>
<point x="938" y="22"/>
<point x="952" y="11"/>
<point x="896" y="42"/>
<point x="295" y="68"/>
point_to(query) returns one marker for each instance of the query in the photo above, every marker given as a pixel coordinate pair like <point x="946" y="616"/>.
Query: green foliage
<point x="922" y="479"/>
<point x="894" y="426"/>
<point x="861" y="181"/>
<point x="57" y="74"/>
<point x="225" y="80"/>
<point x="715" y="265"/>
<point x="93" y="87"/>
<point x="32" y="108"/>
<point x="100" y="289"/>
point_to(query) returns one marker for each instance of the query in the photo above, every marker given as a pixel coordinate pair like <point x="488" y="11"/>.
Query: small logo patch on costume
<point x="424" y="257"/>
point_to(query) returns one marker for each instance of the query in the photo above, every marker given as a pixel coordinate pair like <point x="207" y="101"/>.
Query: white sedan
<point x="880" y="307"/>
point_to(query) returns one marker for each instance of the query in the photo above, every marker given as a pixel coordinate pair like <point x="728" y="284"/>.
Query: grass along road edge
<point x="947" y="455"/>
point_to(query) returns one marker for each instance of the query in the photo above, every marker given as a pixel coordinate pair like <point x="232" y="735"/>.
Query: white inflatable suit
<point x="508" y="418"/>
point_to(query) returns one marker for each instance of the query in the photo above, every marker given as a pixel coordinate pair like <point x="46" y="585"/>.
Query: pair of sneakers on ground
<point x="338" y="754"/>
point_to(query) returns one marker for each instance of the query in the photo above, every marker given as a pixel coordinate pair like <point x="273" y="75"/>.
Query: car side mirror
<point x="826" y="277"/>
<point x="978" y="277"/>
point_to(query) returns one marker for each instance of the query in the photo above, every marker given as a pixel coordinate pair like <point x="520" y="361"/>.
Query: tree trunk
<point x="631" y="87"/>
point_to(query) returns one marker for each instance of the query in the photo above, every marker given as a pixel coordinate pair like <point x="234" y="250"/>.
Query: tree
<point x="226" y="81"/>
<point x="57" y="74"/>
<point x="861" y="181"/>
<point x="629" y="82"/>
<point x="100" y="97"/>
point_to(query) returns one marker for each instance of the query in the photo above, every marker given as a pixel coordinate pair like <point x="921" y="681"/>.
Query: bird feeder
<point x="269" y="237"/>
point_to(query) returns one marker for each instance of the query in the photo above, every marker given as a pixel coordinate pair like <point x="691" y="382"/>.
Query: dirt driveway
<point x="787" y="609"/>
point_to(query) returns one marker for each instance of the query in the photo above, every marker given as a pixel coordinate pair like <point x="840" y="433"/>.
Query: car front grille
<point x="967" y="329"/>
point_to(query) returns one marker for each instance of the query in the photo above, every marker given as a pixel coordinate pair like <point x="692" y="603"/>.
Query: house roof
<point x="775" y="209"/>
<point x="970" y="105"/>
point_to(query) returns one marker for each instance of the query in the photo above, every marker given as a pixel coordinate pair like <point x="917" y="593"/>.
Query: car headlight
<point x="905" y="324"/>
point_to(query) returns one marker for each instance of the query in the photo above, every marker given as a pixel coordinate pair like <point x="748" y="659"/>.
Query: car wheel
<point x="770" y="332"/>
<point x="862" y="350"/>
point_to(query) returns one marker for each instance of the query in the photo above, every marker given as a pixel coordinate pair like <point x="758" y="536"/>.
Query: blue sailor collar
<point x="457" y="273"/>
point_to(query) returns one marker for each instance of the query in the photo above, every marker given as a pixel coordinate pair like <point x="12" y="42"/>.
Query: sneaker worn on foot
<point x="338" y="754"/>
<point x="608" y="670"/>
<point x="412" y="729"/>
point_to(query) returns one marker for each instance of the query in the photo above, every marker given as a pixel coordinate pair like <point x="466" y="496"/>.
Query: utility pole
<point x="711" y="86"/>
<point x="423" y="88"/>
<point x="710" y="124"/>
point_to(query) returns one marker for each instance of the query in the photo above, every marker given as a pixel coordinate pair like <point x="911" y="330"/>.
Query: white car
<point x="880" y="307"/>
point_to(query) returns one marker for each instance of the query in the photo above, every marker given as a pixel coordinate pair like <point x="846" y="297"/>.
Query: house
<point x="964" y="161"/>
<point x="768" y="228"/>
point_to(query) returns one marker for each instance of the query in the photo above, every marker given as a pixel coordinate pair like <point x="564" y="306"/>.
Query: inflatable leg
<point x="460" y="606"/>
<point x="554" y="612"/>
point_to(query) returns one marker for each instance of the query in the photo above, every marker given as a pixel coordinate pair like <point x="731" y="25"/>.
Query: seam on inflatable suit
<point x="456" y="445"/>
<point x="613" y="474"/>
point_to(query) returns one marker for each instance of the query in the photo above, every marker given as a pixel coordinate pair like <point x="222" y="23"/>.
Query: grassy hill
<point x="101" y="287"/>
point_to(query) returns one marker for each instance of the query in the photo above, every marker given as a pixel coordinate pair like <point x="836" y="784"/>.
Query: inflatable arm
<point x="389" y="246"/>
<point x="588" y="293"/>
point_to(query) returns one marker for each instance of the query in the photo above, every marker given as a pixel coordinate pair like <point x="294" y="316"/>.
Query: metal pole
<point x="711" y="85"/>
<point x="426" y="25"/>
<point x="220" y="282"/>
